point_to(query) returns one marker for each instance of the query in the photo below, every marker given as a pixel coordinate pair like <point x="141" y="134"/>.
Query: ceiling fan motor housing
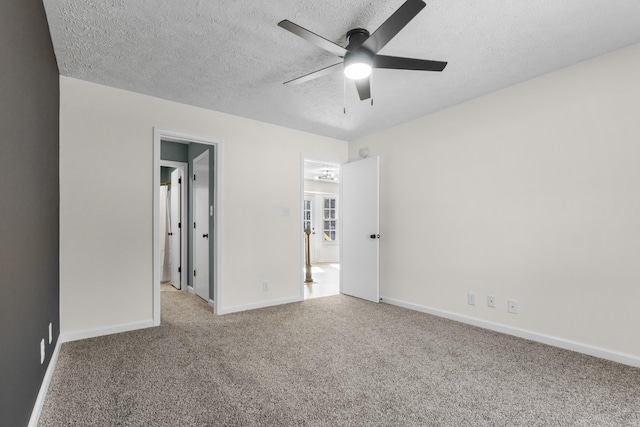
<point x="356" y="37"/>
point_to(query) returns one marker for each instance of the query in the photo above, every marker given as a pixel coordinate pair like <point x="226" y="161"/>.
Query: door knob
<point x="206" y="235"/>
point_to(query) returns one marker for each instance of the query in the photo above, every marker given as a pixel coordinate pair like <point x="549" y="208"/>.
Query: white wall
<point x="106" y="218"/>
<point x="531" y="193"/>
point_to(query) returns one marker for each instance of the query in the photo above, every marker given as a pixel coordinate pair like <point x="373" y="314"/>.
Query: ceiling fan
<point x="361" y="54"/>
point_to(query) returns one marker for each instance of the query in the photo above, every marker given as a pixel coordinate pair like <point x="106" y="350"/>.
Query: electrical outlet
<point x="512" y="306"/>
<point x="42" y="351"/>
<point x="265" y="286"/>
<point x="50" y="332"/>
<point x="491" y="301"/>
<point x="471" y="298"/>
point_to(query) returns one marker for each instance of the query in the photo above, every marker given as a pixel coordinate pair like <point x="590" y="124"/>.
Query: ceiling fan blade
<point x="399" y="63"/>
<point x="364" y="88"/>
<point x="317" y="40"/>
<point x="314" y="75"/>
<point x="393" y="25"/>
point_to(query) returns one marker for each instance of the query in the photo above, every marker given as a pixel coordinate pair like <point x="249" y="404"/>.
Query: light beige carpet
<point x="335" y="361"/>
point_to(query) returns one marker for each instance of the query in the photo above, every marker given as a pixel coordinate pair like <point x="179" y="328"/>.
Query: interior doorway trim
<point x="218" y="228"/>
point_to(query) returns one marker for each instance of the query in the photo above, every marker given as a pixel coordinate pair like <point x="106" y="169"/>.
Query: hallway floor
<point x="326" y="280"/>
<point x="167" y="287"/>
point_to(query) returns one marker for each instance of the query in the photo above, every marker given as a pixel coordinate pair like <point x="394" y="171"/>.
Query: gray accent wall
<point x="174" y="151"/>
<point x="165" y="173"/>
<point x="29" y="209"/>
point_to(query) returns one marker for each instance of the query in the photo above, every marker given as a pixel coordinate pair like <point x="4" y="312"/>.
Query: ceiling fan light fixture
<point x="326" y="176"/>
<point x="357" y="65"/>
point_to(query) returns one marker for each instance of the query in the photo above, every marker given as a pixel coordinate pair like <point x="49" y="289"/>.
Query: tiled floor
<point x="326" y="281"/>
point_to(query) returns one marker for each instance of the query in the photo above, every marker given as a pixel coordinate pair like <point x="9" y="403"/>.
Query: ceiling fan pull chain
<point x="344" y="95"/>
<point x="371" y="85"/>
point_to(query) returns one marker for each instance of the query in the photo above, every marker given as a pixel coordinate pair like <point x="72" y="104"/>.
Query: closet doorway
<point x="172" y="239"/>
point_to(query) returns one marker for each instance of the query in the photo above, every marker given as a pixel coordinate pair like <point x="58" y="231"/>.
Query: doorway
<point x="172" y="239"/>
<point x="320" y="214"/>
<point x="189" y="153"/>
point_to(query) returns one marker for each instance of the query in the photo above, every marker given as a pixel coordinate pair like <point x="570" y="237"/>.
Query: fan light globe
<point x="357" y="65"/>
<point x="357" y="70"/>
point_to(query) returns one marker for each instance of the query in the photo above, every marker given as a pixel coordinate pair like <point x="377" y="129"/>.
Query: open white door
<point x="176" y="230"/>
<point x="360" y="233"/>
<point x="201" y="225"/>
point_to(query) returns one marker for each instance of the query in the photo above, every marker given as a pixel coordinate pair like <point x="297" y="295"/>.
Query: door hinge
<point x="179" y="269"/>
<point x="179" y="180"/>
<point x="179" y="225"/>
<point x="194" y="225"/>
<point x="194" y="273"/>
<point x="194" y="176"/>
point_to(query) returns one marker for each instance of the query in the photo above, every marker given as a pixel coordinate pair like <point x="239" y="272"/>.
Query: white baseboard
<point x="92" y="333"/>
<point x="261" y="304"/>
<point x="624" y="358"/>
<point x="37" y="407"/>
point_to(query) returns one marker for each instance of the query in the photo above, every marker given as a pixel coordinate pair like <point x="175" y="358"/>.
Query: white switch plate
<point x="512" y="306"/>
<point x="471" y="298"/>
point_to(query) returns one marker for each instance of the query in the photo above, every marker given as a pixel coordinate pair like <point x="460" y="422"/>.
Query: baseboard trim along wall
<point x="261" y="304"/>
<point x="75" y="336"/>
<point x="37" y="407"/>
<point x="627" y="359"/>
<point x="92" y="333"/>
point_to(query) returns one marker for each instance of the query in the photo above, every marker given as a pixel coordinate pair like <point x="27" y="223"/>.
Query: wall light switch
<point x="471" y="298"/>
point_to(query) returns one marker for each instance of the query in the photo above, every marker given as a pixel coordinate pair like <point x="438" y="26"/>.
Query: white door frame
<point x="302" y="248"/>
<point x="218" y="228"/>
<point x="183" y="220"/>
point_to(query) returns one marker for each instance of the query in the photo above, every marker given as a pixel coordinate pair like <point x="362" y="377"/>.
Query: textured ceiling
<point x="230" y="55"/>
